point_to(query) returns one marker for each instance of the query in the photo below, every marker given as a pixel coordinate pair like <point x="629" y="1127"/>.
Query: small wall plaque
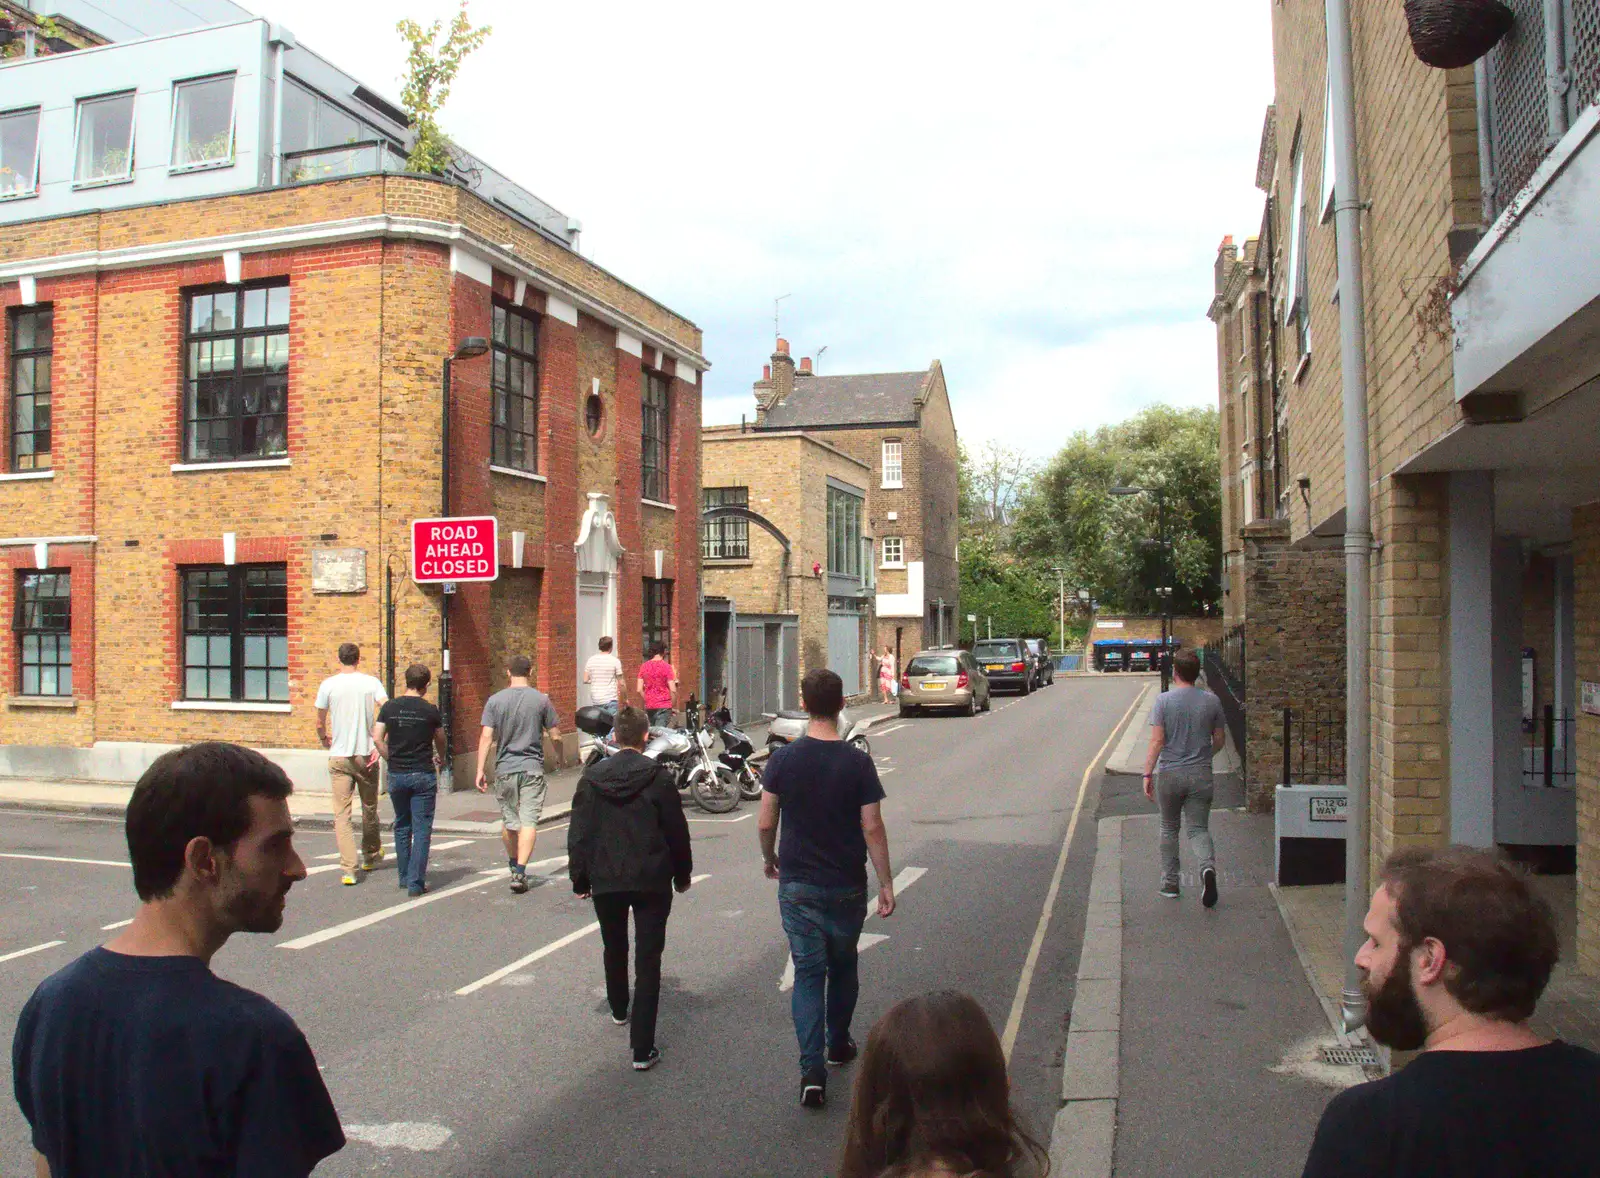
<point x="1590" y="698"/>
<point x="338" y="570"/>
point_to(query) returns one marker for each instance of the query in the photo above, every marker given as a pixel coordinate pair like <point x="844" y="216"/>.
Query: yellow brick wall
<point x="1586" y="630"/>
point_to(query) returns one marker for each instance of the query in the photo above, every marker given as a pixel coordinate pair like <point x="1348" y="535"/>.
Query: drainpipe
<point x="1358" y="499"/>
<point x="1555" y="72"/>
<point x="1483" y="79"/>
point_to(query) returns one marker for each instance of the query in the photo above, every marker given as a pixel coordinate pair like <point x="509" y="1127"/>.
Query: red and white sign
<point x="461" y="549"/>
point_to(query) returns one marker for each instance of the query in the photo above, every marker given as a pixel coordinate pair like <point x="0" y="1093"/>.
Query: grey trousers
<point x="1185" y="794"/>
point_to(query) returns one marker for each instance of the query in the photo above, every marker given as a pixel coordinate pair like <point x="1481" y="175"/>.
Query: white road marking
<point x="885" y="769"/>
<point x="106" y="928"/>
<point x="63" y="859"/>
<point x="1025" y="983"/>
<point x="417" y="1136"/>
<point x="361" y="922"/>
<point x="451" y="845"/>
<point x="694" y="879"/>
<point x="506" y="971"/>
<point x="724" y="821"/>
<point x="903" y="879"/>
<point x="31" y="949"/>
<point x="891" y="728"/>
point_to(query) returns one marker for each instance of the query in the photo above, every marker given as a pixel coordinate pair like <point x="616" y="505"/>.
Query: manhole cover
<point x="1359" y="1057"/>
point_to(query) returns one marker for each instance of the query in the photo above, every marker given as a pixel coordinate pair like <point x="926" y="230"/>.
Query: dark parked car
<point x="1044" y="665"/>
<point x="1006" y="662"/>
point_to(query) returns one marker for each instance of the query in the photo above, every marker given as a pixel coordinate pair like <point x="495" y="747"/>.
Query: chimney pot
<point x="783" y="346"/>
<point x="766" y="372"/>
<point x="805" y="364"/>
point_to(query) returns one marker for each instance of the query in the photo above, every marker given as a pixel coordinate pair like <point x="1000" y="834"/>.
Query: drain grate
<point x="1359" y="1057"/>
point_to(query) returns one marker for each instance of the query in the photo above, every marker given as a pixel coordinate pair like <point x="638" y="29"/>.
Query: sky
<point x="1031" y="193"/>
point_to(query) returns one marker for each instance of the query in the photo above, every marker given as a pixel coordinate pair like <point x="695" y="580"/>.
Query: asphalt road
<point x="444" y="1061"/>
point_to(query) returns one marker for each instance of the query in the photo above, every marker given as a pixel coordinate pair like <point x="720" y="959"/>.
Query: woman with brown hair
<point x="932" y="1099"/>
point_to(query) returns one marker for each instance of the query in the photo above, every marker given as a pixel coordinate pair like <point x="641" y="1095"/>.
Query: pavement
<point x="465" y="1032"/>
<point x="1129" y="756"/>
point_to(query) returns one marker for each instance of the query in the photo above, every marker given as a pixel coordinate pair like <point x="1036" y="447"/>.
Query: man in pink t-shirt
<point x="658" y="684"/>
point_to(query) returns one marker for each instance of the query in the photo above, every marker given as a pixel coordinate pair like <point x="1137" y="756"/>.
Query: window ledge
<point x="244" y="464"/>
<point x="658" y="503"/>
<point x="900" y="486"/>
<point x="24" y="476"/>
<point x="727" y="562"/>
<point x="1300" y="370"/>
<point x="518" y="474"/>
<point x="886" y="565"/>
<point x="228" y="705"/>
<point x="27" y="195"/>
<point x="102" y="182"/>
<point x="65" y="703"/>
<point x="206" y="166"/>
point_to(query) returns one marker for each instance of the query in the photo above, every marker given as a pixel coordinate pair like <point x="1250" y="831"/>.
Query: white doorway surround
<point x="599" y="553"/>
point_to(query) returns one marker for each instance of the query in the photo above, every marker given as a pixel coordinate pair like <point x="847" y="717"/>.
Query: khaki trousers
<point x="347" y="776"/>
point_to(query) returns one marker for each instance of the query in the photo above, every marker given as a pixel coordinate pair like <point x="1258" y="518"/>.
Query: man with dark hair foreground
<point x="828" y="798"/>
<point x="136" y="1059"/>
<point x="628" y="848"/>
<point x="1458" y="952"/>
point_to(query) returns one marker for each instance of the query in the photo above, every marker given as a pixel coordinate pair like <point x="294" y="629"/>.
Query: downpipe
<point x="1358" y="501"/>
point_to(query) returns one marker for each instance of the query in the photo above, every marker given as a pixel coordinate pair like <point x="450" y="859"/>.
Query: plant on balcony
<point x="208" y="151"/>
<point x="113" y="162"/>
<point x="430" y="69"/>
<point x="1448" y="34"/>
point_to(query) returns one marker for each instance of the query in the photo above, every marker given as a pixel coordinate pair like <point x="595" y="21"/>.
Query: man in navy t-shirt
<point x="136" y="1059"/>
<point x="828" y="796"/>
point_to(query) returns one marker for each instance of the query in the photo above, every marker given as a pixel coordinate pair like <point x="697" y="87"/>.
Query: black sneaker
<point x="619" y="1020"/>
<point x="843" y="1054"/>
<point x="519" y="882"/>
<point x="649" y="1061"/>
<point x="814" y="1091"/>
<point x="1208" y="887"/>
<point x="1170" y="891"/>
<point x="416" y="890"/>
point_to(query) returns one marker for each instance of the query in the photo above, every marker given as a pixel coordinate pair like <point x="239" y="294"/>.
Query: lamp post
<point x="1162" y="592"/>
<point x="469" y="348"/>
<point x="1061" y="605"/>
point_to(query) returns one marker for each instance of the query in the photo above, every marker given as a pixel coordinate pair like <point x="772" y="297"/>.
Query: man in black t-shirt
<point x="136" y="1059"/>
<point x="1458" y="951"/>
<point x="410" y="737"/>
<point x="827" y="796"/>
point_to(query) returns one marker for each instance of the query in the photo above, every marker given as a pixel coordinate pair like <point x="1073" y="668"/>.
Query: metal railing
<point x="1227" y="684"/>
<point x="1550" y="756"/>
<point x="348" y="159"/>
<point x="1313" y="746"/>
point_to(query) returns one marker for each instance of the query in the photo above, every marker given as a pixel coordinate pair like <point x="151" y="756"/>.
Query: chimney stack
<point x="766" y="372"/>
<point x="805" y="365"/>
<point x="777" y="381"/>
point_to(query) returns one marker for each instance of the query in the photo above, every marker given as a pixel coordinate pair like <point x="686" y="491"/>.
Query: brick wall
<point x="1586" y="630"/>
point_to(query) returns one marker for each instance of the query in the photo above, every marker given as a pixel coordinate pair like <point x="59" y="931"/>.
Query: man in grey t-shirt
<point x="1186" y="731"/>
<point x="515" y="720"/>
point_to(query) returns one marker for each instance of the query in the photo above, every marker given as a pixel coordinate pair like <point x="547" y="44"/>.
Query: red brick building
<point x="223" y="411"/>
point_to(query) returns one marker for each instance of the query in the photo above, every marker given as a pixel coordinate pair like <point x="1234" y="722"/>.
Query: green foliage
<point x="1019" y="595"/>
<point x="1069" y="517"/>
<point x="430" y="69"/>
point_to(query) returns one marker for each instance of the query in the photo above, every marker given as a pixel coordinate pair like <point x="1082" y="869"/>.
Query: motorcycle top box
<point x="595" y="721"/>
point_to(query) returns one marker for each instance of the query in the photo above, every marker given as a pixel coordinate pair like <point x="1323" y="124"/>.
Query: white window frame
<point x="898" y="545"/>
<point x="1327" y="152"/>
<point x="1296" y="215"/>
<point x="33" y="185"/>
<point x="898" y="480"/>
<point x="176" y="168"/>
<point x="77" y="139"/>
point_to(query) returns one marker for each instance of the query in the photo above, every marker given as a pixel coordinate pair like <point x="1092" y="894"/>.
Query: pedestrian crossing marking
<point x="65" y="859"/>
<point x="903" y="879"/>
<point x="31" y="949"/>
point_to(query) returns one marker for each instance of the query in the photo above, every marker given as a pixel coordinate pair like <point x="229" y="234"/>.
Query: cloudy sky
<point x="1030" y="192"/>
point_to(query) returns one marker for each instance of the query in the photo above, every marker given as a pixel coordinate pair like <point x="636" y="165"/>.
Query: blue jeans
<point x="414" y="796"/>
<point x="823" y="925"/>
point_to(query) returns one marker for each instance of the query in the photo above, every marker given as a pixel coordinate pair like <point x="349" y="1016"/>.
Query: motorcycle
<point x="737" y="752"/>
<point x="686" y="751"/>
<point x="789" y="726"/>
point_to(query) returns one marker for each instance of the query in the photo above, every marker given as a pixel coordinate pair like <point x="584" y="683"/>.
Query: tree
<point x="1069" y="516"/>
<point x="1019" y="596"/>
<point x="430" y="69"/>
<point x="993" y="481"/>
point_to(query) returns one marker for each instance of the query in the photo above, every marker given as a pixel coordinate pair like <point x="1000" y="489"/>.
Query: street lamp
<point x="1165" y="546"/>
<point x="1061" y="605"/>
<point x="469" y="348"/>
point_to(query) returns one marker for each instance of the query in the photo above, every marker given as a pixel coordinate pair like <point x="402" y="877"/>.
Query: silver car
<point x="944" y="679"/>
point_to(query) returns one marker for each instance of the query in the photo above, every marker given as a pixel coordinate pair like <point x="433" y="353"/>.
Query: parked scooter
<point x="737" y="752"/>
<point x="788" y="726"/>
<point x="686" y="751"/>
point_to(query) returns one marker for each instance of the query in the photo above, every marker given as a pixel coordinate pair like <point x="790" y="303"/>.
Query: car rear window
<point x="995" y="650"/>
<point x="932" y="665"/>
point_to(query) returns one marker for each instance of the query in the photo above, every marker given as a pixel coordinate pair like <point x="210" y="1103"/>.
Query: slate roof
<point x="867" y="398"/>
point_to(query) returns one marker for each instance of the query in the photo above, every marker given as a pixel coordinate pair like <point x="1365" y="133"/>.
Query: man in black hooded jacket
<point x="628" y="847"/>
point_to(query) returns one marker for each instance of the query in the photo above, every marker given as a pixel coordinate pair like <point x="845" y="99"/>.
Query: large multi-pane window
<point x="844" y="532"/>
<point x="202" y="123"/>
<point x="514" y="434"/>
<point x="44" y="633"/>
<point x="657" y="426"/>
<point x="32" y="339"/>
<point x="237" y="394"/>
<point x="657" y="615"/>
<point x="19" y="152"/>
<point x="105" y="139"/>
<point x="236" y="633"/>
<point x="727" y="538"/>
<point x="321" y="139"/>
<point x="893" y="475"/>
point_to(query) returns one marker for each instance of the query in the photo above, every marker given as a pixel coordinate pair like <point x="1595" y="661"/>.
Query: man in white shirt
<point x="603" y="674"/>
<point x="348" y="702"/>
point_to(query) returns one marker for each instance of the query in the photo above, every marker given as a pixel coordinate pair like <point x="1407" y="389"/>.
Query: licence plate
<point x="933" y="687"/>
<point x="994" y="666"/>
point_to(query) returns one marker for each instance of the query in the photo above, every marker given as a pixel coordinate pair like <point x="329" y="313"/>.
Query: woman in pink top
<point x="658" y="684"/>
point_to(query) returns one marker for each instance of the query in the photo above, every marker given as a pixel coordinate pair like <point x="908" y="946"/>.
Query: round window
<point x="593" y="414"/>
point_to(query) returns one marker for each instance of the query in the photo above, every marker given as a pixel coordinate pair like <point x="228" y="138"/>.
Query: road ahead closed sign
<point x="463" y="549"/>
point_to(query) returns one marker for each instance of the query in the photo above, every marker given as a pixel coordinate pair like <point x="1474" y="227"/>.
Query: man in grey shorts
<point x="1186" y="731"/>
<point x="515" y="720"/>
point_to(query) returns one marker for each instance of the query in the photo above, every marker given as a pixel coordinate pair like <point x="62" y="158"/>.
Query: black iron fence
<point x="1223" y="663"/>
<point x="1313" y="746"/>
<point x="1550" y="757"/>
